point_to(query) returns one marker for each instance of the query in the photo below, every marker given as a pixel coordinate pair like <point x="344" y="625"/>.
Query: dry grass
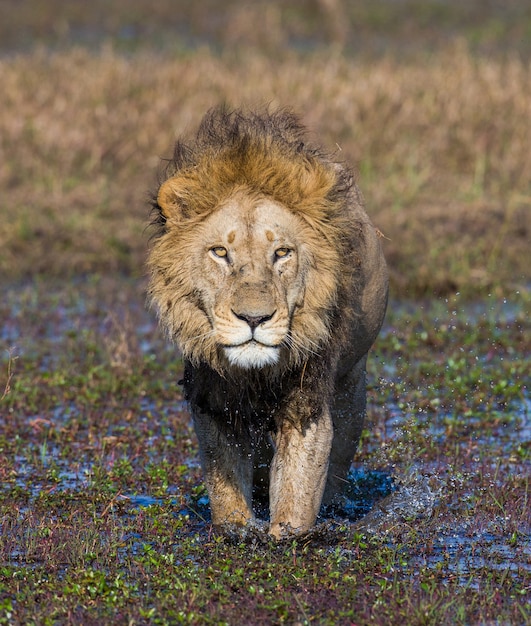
<point x="441" y="145"/>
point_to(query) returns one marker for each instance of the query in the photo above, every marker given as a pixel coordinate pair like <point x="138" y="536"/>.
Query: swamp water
<point x="92" y="411"/>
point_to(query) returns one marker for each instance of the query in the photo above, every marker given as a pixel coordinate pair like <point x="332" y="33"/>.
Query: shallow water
<point x="406" y="470"/>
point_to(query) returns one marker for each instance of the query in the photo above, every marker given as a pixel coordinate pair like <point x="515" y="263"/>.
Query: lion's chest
<point x="251" y="403"/>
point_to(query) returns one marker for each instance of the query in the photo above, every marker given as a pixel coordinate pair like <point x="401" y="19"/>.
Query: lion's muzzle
<point x="252" y="354"/>
<point x="257" y="337"/>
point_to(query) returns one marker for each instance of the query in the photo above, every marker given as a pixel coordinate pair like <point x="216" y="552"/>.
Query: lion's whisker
<point x="202" y="336"/>
<point x="291" y="342"/>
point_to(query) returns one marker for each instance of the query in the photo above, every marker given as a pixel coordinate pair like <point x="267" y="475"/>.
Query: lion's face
<point x="250" y="278"/>
<point x="230" y="289"/>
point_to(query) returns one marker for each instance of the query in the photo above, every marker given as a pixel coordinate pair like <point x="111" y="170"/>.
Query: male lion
<point x="268" y="274"/>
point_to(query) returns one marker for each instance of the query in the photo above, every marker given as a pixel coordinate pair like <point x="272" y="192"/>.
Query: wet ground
<point x="93" y="427"/>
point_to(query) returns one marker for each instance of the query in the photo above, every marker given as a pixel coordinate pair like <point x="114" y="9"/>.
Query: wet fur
<point x="267" y="155"/>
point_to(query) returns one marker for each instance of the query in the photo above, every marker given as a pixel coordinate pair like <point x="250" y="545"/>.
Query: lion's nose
<point x="253" y="320"/>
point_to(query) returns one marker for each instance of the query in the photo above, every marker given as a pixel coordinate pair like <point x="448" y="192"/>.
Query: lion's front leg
<point x="298" y="474"/>
<point x="228" y="470"/>
<point x="348" y="414"/>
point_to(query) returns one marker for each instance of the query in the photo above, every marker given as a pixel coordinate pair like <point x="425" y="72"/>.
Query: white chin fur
<point x="252" y="355"/>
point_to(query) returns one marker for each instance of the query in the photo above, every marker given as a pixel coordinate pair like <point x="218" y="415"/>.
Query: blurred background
<point x="429" y="101"/>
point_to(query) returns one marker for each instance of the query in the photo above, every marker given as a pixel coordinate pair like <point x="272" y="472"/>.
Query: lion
<point x="269" y="276"/>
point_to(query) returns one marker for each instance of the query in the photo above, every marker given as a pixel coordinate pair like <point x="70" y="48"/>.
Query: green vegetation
<point x="103" y="515"/>
<point x="102" y="509"/>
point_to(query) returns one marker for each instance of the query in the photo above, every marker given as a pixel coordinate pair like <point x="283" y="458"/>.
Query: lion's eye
<point x="282" y="253"/>
<point x="219" y="251"/>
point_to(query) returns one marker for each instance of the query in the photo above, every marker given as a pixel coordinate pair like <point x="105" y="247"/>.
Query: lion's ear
<point x="170" y="198"/>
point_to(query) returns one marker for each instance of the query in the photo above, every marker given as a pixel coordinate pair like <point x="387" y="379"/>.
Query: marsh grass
<point x="103" y="514"/>
<point x="102" y="507"/>
<point x="441" y="145"/>
<point x="376" y="27"/>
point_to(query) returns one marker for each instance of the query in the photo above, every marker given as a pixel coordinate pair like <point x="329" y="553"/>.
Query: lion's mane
<point x="267" y="154"/>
